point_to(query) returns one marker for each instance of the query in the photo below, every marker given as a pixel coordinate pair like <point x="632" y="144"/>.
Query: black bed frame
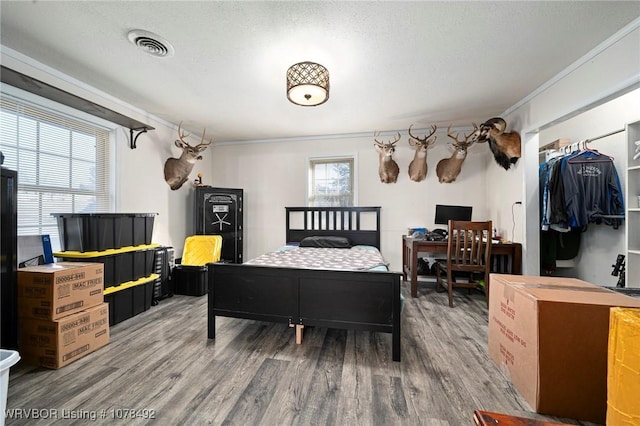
<point x="359" y="300"/>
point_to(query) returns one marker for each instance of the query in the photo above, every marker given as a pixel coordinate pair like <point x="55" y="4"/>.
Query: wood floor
<point x="160" y="364"/>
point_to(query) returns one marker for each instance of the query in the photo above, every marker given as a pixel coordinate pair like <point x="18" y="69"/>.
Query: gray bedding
<point x="357" y="258"/>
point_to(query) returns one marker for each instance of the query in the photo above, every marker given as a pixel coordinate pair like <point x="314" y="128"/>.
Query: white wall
<point x="608" y="71"/>
<point x="140" y="184"/>
<point x="274" y="176"/>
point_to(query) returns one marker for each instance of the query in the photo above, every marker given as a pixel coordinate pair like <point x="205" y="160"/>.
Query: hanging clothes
<point x="578" y="189"/>
<point x="593" y="193"/>
<point x="553" y="214"/>
<point x="556" y="245"/>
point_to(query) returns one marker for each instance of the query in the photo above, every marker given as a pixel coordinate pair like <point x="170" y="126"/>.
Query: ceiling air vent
<point x="151" y="43"/>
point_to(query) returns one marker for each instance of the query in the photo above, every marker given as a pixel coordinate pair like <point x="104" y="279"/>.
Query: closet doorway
<point x="599" y="244"/>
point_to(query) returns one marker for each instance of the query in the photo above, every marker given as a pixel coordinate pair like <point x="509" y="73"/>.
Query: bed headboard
<point x="361" y="225"/>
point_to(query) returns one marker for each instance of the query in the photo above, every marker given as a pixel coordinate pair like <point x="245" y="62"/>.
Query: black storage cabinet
<point x="219" y="211"/>
<point x="8" y="260"/>
<point x="163" y="266"/>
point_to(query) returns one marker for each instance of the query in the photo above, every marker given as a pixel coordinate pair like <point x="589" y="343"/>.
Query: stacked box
<point x="62" y="314"/>
<point x="55" y="290"/>
<point x="54" y="344"/>
<point x="549" y="335"/>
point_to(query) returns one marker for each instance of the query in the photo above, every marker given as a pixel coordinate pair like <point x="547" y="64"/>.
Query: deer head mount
<point x="176" y="170"/>
<point x="506" y="147"/>
<point x="387" y="167"/>
<point x="448" y="169"/>
<point x="418" y="166"/>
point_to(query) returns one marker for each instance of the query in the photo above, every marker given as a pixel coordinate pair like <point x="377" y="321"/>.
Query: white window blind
<point x="331" y="182"/>
<point x="62" y="165"/>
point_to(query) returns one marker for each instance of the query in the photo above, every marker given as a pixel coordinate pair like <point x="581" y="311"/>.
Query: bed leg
<point x="211" y="334"/>
<point x="211" y="318"/>
<point x="395" y="347"/>
<point x="395" y="332"/>
<point x="299" y="328"/>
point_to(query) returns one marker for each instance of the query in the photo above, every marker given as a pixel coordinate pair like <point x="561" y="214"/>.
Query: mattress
<point x="357" y="258"/>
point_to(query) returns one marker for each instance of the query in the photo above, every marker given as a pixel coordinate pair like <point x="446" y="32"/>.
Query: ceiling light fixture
<point x="151" y="43"/>
<point x="307" y="84"/>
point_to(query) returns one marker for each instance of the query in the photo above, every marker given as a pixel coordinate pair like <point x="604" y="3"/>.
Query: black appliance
<point x="219" y="211"/>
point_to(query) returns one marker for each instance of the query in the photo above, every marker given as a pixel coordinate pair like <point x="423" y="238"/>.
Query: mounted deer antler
<point x="176" y="170"/>
<point x="448" y="169"/>
<point x="387" y="168"/>
<point x="506" y="147"/>
<point x="418" y="166"/>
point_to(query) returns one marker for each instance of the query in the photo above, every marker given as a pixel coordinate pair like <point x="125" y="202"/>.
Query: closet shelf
<point x="558" y="143"/>
<point x="37" y="87"/>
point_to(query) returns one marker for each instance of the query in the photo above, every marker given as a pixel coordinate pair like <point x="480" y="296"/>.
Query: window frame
<point x="328" y="159"/>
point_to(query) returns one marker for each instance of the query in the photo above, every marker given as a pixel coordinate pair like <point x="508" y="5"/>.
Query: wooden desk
<point x="506" y="258"/>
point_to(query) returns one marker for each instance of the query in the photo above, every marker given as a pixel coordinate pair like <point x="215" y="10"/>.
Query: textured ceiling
<point x="392" y="64"/>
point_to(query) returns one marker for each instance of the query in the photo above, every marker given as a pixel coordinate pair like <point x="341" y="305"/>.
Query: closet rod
<point x="583" y="143"/>
<point x="603" y="136"/>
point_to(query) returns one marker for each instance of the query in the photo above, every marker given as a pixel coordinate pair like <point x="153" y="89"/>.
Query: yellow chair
<point x="190" y="276"/>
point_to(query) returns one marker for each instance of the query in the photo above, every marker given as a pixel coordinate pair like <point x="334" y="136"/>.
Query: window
<point x="331" y="182"/>
<point x="62" y="165"/>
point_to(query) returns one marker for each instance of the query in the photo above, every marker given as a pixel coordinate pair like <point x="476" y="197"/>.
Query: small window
<point x="331" y="182"/>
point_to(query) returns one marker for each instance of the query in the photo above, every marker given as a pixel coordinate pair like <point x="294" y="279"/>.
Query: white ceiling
<point x="392" y="64"/>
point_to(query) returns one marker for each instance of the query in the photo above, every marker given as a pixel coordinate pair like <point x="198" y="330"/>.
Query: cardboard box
<point x="54" y="344"/>
<point x="55" y="290"/>
<point x="549" y="336"/>
<point x="623" y="378"/>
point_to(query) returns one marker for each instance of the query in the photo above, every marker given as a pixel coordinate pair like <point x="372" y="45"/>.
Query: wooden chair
<point x="469" y="252"/>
